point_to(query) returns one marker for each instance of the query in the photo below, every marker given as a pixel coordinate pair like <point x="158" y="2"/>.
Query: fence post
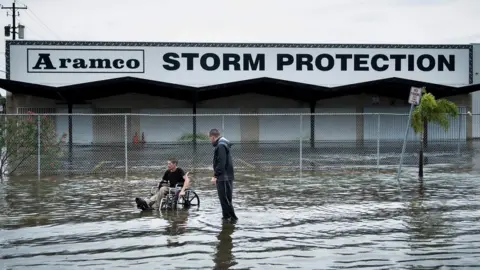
<point x="38" y="147"/>
<point x="126" y="146"/>
<point x="301" y="144"/>
<point x="223" y="125"/>
<point x="378" y="143"/>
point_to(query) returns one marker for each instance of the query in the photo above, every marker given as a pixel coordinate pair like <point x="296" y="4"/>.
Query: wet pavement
<point x="324" y="220"/>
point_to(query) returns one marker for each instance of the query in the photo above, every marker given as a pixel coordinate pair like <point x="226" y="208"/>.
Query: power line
<point x="34" y="17"/>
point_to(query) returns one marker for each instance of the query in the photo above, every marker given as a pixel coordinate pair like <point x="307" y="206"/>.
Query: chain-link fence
<point x="48" y="144"/>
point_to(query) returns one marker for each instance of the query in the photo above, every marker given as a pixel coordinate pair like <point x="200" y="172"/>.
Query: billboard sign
<point x="65" y="63"/>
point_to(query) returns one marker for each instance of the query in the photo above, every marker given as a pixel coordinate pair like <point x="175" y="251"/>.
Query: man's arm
<point x="222" y="160"/>
<point x="164" y="178"/>
<point x="187" y="181"/>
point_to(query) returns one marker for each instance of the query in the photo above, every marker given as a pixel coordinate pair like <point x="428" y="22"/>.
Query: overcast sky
<point x="289" y="21"/>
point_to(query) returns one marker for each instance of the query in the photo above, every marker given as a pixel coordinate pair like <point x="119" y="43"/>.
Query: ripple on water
<point x="318" y="222"/>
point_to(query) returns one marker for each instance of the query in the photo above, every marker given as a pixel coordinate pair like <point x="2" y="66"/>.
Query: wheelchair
<point x="172" y="200"/>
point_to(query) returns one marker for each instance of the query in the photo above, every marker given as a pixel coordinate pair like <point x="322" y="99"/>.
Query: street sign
<point x="415" y="94"/>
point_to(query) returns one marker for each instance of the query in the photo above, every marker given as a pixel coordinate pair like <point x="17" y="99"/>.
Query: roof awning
<point x="79" y="93"/>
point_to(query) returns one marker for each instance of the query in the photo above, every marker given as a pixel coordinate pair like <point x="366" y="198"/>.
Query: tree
<point x="430" y="110"/>
<point x="19" y="143"/>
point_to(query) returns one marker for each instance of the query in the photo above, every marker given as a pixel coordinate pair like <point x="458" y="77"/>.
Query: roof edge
<point x="238" y="44"/>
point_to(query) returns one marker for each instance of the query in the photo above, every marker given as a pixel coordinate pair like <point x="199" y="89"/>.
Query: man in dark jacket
<point x="223" y="174"/>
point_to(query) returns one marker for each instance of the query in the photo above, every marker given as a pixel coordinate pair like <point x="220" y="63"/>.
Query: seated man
<point x="174" y="176"/>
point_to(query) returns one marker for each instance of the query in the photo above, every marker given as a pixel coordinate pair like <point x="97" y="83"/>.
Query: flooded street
<point x="322" y="221"/>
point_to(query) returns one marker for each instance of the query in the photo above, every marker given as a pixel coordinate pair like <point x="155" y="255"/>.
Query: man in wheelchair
<point x="174" y="177"/>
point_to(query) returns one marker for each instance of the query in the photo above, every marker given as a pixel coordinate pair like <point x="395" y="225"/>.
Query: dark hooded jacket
<point x="222" y="160"/>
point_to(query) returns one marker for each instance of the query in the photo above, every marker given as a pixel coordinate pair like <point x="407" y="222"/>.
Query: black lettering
<point x="330" y="62"/>
<point x="343" y="60"/>
<point x="449" y="64"/>
<point x="79" y="63"/>
<point x="64" y="61"/>
<point x="249" y="63"/>
<point x="398" y="60"/>
<point x="190" y="57"/>
<point x="133" y="63"/>
<point x="284" y="60"/>
<point x="171" y="58"/>
<point x="358" y="61"/>
<point x="304" y="59"/>
<point x="44" y="59"/>
<point x="231" y="59"/>
<point x="100" y="63"/>
<point x="118" y="63"/>
<point x="204" y="61"/>
<point x="431" y="62"/>
<point x="375" y="65"/>
<point x="411" y="62"/>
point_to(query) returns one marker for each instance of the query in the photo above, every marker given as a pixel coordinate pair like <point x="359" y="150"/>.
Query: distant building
<point x="196" y="78"/>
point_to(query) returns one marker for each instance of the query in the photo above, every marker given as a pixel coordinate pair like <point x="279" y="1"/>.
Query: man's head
<point x="214" y="134"/>
<point x="172" y="164"/>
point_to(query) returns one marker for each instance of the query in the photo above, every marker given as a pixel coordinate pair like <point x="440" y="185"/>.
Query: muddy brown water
<point x="321" y="221"/>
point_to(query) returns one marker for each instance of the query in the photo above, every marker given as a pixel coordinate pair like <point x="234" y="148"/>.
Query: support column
<point x="194" y="130"/>
<point x="312" y="124"/>
<point x="359" y="129"/>
<point x="70" y="134"/>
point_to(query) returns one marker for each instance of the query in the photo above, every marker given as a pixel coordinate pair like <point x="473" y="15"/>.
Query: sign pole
<point x="413" y="99"/>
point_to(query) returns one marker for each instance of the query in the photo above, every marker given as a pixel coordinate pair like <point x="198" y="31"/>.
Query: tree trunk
<point x="420" y="158"/>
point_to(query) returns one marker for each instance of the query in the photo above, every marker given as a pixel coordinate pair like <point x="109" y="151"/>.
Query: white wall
<point x="283" y="127"/>
<point x="392" y="127"/>
<point x="161" y="128"/>
<point x="139" y="101"/>
<point x="229" y="126"/>
<point x="335" y="127"/>
<point x="82" y="125"/>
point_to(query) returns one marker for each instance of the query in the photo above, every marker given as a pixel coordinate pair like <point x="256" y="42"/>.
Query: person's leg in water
<point x="229" y="192"/>
<point x="154" y="201"/>
<point x="223" y="199"/>
<point x="224" y="190"/>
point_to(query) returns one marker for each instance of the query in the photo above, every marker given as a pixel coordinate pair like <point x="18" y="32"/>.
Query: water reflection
<point x="322" y="221"/>
<point x="426" y="223"/>
<point x="224" y="257"/>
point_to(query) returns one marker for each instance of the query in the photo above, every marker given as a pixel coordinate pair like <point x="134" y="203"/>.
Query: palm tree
<point x="430" y="110"/>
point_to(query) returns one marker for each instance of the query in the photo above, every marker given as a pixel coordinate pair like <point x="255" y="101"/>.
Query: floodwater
<point x="322" y="221"/>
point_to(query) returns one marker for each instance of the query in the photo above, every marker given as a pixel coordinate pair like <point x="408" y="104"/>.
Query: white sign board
<point x="192" y="64"/>
<point x="415" y="94"/>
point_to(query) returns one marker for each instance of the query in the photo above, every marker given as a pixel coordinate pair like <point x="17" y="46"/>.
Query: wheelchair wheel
<point x="190" y="200"/>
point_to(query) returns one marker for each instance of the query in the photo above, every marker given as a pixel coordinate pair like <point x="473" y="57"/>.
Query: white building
<point x="186" y="78"/>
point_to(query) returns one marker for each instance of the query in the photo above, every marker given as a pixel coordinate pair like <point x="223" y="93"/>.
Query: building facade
<point x="351" y="80"/>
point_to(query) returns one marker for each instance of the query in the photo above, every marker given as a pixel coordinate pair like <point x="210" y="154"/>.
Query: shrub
<point x="190" y="136"/>
<point x="19" y="143"/>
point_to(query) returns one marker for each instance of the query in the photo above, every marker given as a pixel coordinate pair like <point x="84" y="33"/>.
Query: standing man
<point x="223" y="173"/>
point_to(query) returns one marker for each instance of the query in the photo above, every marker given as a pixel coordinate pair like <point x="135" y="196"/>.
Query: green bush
<point x="19" y="143"/>
<point x="190" y="137"/>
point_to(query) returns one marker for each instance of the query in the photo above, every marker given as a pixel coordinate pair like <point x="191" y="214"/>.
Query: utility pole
<point x="13" y="27"/>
